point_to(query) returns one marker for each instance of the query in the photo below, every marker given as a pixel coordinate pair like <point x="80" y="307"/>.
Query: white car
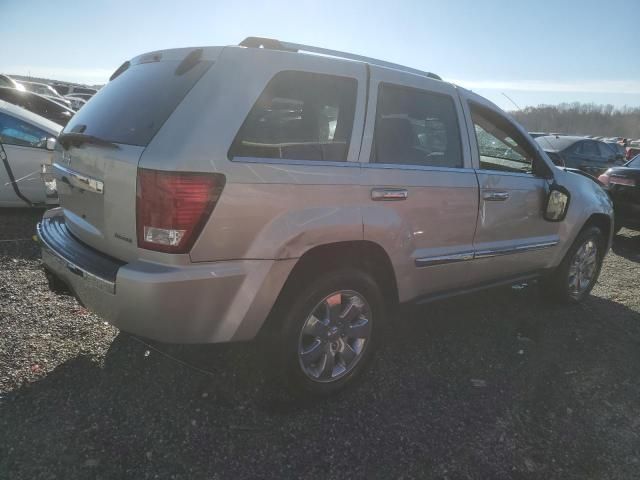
<point x="26" y="144"/>
<point x="76" y="102"/>
<point x="7" y="81"/>
<point x="47" y="91"/>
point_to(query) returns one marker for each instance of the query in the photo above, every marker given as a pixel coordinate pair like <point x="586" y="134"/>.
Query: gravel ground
<point x="497" y="385"/>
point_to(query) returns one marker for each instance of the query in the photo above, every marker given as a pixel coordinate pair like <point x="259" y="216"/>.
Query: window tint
<point x="606" y="150"/>
<point x="634" y="162"/>
<point x="501" y="146"/>
<point x="588" y="148"/>
<point x="17" y="132"/>
<point x="300" y="116"/>
<point x="415" y="127"/>
<point x="132" y="107"/>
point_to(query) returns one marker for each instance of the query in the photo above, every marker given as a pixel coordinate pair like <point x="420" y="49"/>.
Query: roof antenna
<point x="511" y="100"/>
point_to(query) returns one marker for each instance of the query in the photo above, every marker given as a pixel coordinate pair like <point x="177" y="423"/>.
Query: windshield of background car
<point x="634" y="162"/>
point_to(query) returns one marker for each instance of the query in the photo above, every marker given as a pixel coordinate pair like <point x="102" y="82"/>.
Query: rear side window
<point x="300" y="116"/>
<point x="132" y="107"/>
<point x="415" y="127"/>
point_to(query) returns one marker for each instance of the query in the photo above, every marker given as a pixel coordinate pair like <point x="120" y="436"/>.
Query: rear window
<point x="132" y="107"/>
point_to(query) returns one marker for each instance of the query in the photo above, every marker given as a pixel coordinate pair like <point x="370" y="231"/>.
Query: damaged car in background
<point x="26" y="144"/>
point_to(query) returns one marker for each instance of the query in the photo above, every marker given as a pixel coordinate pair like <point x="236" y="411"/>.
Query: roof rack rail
<point x="273" y="44"/>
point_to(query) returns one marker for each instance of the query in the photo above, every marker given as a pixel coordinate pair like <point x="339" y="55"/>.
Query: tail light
<point x="608" y="179"/>
<point x="173" y="207"/>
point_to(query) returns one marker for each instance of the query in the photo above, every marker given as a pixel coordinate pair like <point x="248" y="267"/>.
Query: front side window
<point x="415" y="127"/>
<point x="17" y="132"/>
<point x="300" y="116"/>
<point x="501" y="146"/>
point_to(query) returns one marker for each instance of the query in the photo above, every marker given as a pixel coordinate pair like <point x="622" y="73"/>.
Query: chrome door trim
<point x="80" y="181"/>
<point x="504" y="173"/>
<point x="389" y="194"/>
<point x="408" y="166"/>
<point x="495" y="195"/>
<point x="289" y="161"/>
<point x="517" y="249"/>
<point x="443" y="259"/>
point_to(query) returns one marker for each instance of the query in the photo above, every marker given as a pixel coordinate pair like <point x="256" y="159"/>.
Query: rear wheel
<point x="577" y="274"/>
<point x="328" y="331"/>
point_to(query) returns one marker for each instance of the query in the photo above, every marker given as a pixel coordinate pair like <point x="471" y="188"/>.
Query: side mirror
<point x="557" y="203"/>
<point x="51" y="143"/>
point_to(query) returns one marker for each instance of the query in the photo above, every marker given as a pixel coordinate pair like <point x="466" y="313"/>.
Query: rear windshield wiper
<point x="76" y="139"/>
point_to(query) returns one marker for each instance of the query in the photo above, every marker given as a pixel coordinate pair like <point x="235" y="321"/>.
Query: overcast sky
<point x="534" y="52"/>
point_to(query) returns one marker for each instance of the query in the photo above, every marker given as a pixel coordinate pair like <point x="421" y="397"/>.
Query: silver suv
<point x="214" y="194"/>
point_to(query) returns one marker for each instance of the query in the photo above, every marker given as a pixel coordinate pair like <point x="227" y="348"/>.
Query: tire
<point x="350" y="308"/>
<point x="564" y="284"/>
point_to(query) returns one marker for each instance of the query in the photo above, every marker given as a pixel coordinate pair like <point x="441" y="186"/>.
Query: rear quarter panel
<point x="270" y="208"/>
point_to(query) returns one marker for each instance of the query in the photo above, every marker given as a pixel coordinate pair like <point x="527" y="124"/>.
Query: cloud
<point x="79" y="75"/>
<point x="631" y="87"/>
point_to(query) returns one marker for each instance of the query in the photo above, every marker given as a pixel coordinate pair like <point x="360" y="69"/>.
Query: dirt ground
<point x="496" y="385"/>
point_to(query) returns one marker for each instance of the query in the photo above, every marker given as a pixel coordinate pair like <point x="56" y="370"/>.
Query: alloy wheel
<point x="334" y="336"/>
<point x="583" y="268"/>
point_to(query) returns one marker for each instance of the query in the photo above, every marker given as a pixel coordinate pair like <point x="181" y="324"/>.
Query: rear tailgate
<point x="96" y="160"/>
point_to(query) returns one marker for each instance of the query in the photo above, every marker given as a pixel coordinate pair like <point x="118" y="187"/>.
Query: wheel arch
<point x="363" y="254"/>
<point x="604" y="223"/>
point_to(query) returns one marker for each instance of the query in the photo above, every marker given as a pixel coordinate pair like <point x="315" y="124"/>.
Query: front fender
<point x="588" y="198"/>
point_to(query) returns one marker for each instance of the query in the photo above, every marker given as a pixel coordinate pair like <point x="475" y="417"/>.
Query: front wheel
<point x="328" y="331"/>
<point x="577" y="274"/>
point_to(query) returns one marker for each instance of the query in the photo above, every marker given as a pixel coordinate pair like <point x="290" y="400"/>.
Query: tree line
<point x="582" y="119"/>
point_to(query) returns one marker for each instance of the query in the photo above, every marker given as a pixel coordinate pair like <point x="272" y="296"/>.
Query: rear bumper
<point x="196" y="303"/>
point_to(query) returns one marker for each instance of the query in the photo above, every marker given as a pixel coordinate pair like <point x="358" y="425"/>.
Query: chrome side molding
<point x="78" y="180"/>
<point x="517" y="249"/>
<point x="466" y="256"/>
<point x="443" y="259"/>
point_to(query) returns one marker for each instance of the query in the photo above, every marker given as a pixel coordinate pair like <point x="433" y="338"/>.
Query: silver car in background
<point x="224" y="193"/>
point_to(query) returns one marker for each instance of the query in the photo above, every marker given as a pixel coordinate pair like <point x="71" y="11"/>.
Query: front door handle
<point x="389" y="194"/>
<point x="495" y="196"/>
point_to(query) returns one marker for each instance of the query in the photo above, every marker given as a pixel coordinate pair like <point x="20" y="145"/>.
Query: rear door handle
<point x="495" y="196"/>
<point x="389" y="194"/>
